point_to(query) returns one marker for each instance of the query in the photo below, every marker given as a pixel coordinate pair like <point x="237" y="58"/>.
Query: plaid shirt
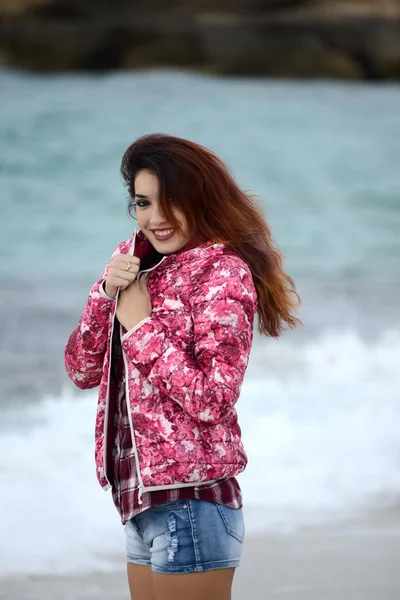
<point x="125" y="485"/>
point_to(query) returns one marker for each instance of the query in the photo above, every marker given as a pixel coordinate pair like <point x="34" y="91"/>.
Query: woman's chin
<point x="174" y="244"/>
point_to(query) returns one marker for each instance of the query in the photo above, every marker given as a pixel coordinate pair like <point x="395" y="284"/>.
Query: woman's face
<point x="152" y="221"/>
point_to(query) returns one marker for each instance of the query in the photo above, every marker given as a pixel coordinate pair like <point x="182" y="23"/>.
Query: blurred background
<point x="301" y="100"/>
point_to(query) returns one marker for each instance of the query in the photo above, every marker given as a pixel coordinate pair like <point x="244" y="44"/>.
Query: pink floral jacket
<point x="185" y="365"/>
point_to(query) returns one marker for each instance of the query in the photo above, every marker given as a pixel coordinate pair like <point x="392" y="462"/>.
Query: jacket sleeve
<point x="86" y="346"/>
<point x="205" y="382"/>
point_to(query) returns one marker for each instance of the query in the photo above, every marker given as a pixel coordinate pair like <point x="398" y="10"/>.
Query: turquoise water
<point x="323" y="158"/>
<point x="319" y="409"/>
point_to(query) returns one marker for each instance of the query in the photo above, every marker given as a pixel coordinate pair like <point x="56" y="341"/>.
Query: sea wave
<point x="320" y="424"/>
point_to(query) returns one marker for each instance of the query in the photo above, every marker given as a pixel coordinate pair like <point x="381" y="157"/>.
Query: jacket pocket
<point x="233" y="521"/>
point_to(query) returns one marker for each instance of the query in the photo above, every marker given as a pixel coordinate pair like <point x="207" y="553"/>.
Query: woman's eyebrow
<point x="141" y="196"/>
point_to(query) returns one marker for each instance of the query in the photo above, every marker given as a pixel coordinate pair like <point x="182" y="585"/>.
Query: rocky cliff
<point x="357" y="39"/>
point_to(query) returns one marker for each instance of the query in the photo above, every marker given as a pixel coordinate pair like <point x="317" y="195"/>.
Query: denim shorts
<point x="186" y="536"/>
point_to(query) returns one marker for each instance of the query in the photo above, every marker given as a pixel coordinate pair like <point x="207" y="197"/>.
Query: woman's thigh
<point x="212" y="585"/>
<point x="146" y="585"/>
<point x="140" y="576"/>
<point x="140" y="579"/>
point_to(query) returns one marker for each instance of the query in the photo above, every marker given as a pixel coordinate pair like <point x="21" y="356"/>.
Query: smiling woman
<point x="167" y="333"/>
<point x="151" y="219"/>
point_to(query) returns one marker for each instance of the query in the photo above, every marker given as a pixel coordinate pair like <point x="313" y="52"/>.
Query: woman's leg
<point x="209" y="585"/>
<point x="140" y="576"/>
<point x="140" y="580"/>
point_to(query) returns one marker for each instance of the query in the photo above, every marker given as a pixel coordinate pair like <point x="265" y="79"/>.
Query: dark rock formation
<point x="291" y="38"/>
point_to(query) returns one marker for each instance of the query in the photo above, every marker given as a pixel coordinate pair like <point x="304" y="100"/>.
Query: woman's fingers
<point x="124" y="261"/>
<point x="120" y="282"/>
<point x="122" y="271"/>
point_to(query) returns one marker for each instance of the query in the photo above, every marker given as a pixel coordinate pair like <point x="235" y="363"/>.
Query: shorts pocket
<point x="233" y="521"/>
<point x="173" y="505"/>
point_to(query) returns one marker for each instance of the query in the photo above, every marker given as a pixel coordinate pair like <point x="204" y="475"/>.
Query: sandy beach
<point x="350" y="561"/>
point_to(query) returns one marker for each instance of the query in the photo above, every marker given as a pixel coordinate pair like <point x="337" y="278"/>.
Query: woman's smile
<point x="163" y="234"/>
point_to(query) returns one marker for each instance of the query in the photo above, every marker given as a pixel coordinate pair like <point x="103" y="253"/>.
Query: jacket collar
<point x="149" y="257"/>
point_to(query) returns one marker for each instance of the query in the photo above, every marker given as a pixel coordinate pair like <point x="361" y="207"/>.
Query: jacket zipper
<point x="108" y="400"/>
<point x="106" y="416"/>
<point x="128" y="404"/>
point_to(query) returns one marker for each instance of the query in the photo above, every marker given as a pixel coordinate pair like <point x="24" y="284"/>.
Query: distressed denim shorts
<point x="186" y="536"/>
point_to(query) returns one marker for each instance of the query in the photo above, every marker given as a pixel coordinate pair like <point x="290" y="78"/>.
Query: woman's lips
<point x="163" y="235"/>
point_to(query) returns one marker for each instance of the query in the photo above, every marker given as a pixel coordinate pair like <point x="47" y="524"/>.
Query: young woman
<point x="167" y="333"/>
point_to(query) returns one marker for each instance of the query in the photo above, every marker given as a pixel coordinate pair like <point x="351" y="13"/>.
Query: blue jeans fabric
<point x="186" y="536"/>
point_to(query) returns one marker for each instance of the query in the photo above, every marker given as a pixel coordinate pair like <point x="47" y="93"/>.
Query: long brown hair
<point x="202" y="187"/>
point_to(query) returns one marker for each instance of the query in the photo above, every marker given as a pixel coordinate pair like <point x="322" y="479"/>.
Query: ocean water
<point x="319" y="409"/>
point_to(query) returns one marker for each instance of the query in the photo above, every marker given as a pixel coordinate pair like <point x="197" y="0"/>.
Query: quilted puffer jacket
<point x="184" y="365"/>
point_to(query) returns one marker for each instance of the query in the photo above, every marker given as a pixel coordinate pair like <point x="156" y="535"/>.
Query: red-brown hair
<point x="203" y="188"/>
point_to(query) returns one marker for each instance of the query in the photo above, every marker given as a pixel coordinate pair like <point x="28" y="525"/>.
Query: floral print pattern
<point x="185" y="366"/>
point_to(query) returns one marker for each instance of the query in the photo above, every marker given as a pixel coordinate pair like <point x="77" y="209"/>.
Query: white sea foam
<point x="322" y="432"/>
<point x="320" y="424"/>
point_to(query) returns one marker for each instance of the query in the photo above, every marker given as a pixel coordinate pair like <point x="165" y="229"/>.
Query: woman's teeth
<point x="163" y="233"/>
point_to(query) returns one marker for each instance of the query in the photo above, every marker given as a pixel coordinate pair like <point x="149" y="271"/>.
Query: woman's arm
<point x="86" y="346"/>
<point x="207" y="383"/>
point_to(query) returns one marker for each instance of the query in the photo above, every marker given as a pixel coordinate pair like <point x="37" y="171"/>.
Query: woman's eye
<point x="141" y="203"/>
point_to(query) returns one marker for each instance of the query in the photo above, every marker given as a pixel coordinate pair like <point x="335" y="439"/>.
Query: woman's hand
<point x="134" y="304"/>
<point x="118" y="276"/>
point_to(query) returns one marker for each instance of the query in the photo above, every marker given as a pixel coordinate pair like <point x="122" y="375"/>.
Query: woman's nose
<point x="157" y="216"/>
